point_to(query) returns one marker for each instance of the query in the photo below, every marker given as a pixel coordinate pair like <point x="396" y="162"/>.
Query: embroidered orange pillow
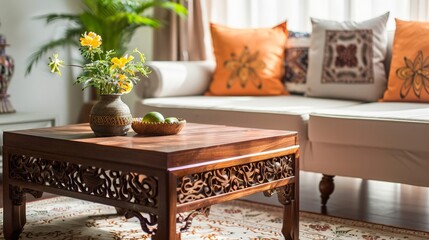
<point x="409" y="70"/>
<point x="248" y="61"/>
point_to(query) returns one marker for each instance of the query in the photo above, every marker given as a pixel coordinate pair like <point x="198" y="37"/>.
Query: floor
<point x="371" y="201"/>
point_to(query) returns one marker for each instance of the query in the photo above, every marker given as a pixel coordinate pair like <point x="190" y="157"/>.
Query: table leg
<point x="287" y="221"/>
<point x="295" y="219"/>
<point x="14" y="217"/>
<point x="166" y="229"/>
<point x="167" y="209"/>
<point x="286" y="197"/>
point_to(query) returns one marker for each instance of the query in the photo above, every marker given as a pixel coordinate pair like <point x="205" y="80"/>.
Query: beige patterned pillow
<point x="346" y="59"/>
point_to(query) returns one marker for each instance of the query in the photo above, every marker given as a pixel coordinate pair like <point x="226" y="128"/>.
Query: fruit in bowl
<point x="153" y="117"/>
<point x="154" y="123"/>
<point x="171" y="120"/>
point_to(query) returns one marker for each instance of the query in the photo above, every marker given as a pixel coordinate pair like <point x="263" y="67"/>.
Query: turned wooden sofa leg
<point x="326" y="188"/>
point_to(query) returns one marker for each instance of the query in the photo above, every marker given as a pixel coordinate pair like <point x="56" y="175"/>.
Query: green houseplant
<point x="114" y="20"/>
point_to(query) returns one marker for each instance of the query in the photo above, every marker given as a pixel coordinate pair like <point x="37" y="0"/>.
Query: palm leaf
<point x="114" y="20"/>
<point x="35" y="57"/>
<point x="105" y="8"/>
<point x="175" y="7"/>
<point x="71" y="37"/>
<point x="139" y="20"/>
<point x="91" y="22"/>
<point x="146" y="5"/>
<point x="55" y="17"/>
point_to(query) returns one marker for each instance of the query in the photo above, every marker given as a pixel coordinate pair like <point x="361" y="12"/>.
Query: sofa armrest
<point x="174" y="78"/>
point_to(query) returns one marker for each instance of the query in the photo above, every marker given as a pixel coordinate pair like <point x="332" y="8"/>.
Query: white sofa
<point x="385" y="141"/>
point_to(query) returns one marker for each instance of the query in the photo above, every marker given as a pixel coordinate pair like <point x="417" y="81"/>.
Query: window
<point x="265" y="13"/>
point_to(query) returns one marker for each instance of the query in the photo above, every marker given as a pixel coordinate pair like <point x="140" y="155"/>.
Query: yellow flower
<point x="120" y="62"/>
<point x="91" y="40"/>
<point x="124" y="85"/>
<point x="103" y="71"/>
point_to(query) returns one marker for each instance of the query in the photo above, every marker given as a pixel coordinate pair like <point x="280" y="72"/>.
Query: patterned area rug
<point x="66" y="218"/>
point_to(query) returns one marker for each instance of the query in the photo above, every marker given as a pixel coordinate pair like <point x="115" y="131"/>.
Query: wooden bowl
<point x="157" y="129"/>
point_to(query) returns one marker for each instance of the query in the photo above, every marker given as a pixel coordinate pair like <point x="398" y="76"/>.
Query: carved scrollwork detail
<point x="286" y="194"/>
<point x="112" y="184"/>
<point x="34" y="193"/>
<point x="220" y="181"/>
<point x="145" y="223"/>
<point x="269" y="192"/>
<point x="187" y="218"/>
<point x="17" y="194"/>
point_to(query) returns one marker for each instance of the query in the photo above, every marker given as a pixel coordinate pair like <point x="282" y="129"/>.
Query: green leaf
<point x="145" y="5"/>
<point x="35" y="57"/>
<point x="55" y="17"/>
<point x="175" y="7"/>
<point x="114" y="20"/>
<point x="143" y="21"/>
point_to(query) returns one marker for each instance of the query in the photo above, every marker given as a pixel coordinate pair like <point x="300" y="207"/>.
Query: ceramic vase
<point x="6" y="71"/>
<point x="110" y="116"/>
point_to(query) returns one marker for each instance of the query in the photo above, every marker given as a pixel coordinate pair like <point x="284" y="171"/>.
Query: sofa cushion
<point x="347" y="59"/>
<point x="409" y="72"/>
<point x="270" y="112"/>
<point x="248" y="61"/>
<point x="296" y="62"/>
<point x="377" y="125"/>
<point x="175" y="78"/>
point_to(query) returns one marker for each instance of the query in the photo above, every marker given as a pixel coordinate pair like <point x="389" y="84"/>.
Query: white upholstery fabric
<point x="176" y="79"/>
<point x="379" y="141"/>
<point x="287" y="105"/>
<point x="382" y="124"/>
<point x="373" y="163"/>
<point x="270" y="112"/>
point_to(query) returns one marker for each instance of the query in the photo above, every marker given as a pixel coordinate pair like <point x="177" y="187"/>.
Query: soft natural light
<point x="266" y="13"/>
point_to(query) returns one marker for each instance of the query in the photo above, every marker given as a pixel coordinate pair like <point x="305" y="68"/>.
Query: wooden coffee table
<point x="171" y="178"/>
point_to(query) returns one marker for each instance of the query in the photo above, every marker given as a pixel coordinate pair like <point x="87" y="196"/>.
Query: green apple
<point x="153" y="117"/>
<point x="171" y="120"/>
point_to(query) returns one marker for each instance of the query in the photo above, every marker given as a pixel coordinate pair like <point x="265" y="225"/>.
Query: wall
<point x="42" y="91"/>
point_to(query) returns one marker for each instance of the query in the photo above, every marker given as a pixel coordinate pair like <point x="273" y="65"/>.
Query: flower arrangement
<point x="103" y="71"/>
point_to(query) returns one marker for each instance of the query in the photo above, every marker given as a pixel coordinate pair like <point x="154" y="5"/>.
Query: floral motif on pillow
<point x="348" y="57"/>
<point x="244" y="68"/>
<point x="296" y="61"/>
<point x="415" y="76"/>
<point x="409" y="68"/>
<point x="249" y="62"/>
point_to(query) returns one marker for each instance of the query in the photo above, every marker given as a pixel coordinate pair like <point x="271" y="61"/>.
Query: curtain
<point x="189" y="38"/>
<point x="419" y="10"/>
<point x="265" y="13"/>
<point x="182" y="39"/>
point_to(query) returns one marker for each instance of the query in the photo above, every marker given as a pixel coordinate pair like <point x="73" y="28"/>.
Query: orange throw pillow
<point x="409" y="70"/>
<point x="248" y="61"/>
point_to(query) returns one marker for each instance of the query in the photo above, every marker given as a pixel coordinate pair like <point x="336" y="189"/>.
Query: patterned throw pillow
<point x="409" y="69"/>
<point x="346" y="59"/>
<point x="248" y="61"/>
<point x="296" y="62"/>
